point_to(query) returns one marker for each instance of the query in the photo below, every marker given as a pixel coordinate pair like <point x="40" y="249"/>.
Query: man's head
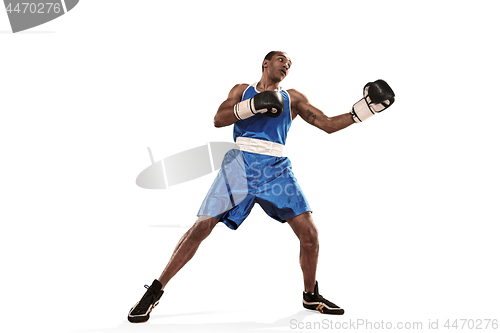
<point x="277" y="62"/>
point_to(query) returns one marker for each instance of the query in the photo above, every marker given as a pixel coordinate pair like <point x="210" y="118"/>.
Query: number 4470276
<point x="471" y="324"/>
<point x="34" y="8"/>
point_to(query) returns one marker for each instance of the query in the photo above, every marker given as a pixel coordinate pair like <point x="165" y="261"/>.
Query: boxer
<point x="258" y="173"/>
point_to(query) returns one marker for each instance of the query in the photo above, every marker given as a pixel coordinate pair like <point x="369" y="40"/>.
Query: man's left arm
<point x="377" y="96"/>
<point x="314" y="116"/>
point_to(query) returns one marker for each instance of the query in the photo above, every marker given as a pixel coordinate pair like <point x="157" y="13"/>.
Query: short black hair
<point x="269" y="56"/>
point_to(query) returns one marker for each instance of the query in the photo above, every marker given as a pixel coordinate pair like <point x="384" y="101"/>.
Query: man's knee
<point x="309" y="237"/>
<point x="306" y="230"/>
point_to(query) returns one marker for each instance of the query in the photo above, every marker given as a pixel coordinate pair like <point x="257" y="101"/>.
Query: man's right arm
<point x="225" y="114"/>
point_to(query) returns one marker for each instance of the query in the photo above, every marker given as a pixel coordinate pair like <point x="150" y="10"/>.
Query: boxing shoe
<point x="314" y="301"/>
<point x="141" y="310"/>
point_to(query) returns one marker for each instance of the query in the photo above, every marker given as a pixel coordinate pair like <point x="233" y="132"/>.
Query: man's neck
<point x="265" y="84"/>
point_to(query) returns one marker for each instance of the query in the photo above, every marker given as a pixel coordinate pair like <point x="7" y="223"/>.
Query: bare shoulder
<point x="241" y="86"/>
<point x="237" y="90"/>
<point x="296" y="97"/>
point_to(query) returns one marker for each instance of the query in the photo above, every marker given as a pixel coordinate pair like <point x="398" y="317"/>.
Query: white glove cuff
<point x="245" y="109"/>
<point x="361" y="111"/>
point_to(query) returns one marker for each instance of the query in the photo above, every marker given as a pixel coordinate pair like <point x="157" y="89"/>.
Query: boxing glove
<point x="269" y="103"/>
<point x="377" y="96"/>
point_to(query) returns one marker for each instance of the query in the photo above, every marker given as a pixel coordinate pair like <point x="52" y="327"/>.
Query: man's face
<point x="278" y="66"/>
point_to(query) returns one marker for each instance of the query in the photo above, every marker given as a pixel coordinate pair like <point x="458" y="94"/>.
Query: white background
<point x="405" y="203"/>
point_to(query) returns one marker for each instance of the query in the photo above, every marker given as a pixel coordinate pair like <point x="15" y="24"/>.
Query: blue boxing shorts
<point x="246" y="178"/>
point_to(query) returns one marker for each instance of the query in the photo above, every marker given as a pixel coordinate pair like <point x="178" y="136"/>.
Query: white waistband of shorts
<point x="260" y="146"/>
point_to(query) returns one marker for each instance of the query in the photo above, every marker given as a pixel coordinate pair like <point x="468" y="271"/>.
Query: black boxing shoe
<point x="314" y="301"/>
<point x="141" y="310"/>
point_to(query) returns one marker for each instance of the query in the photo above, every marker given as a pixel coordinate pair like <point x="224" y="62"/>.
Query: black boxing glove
<point x="378" y="96"/>
<point x="269" y="103"/>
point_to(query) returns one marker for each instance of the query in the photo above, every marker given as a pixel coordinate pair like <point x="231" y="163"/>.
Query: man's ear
<point x="264" y="63"/>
